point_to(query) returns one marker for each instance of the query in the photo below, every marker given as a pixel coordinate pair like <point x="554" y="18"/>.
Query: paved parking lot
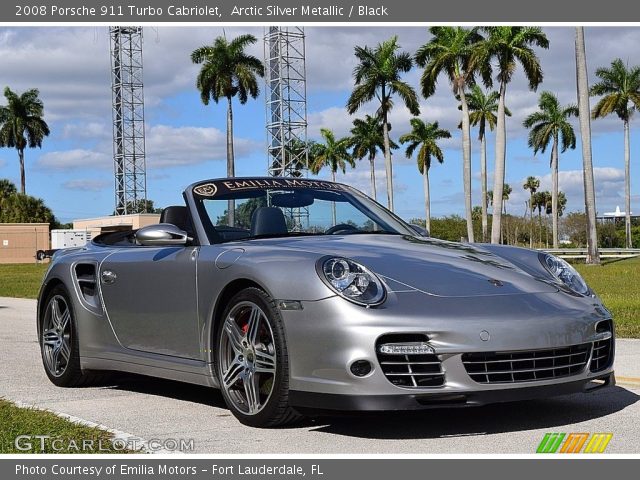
<point x="157" y="409"/>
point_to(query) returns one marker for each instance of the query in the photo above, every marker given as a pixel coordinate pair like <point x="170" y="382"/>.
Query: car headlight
<point x="564" y="272"/>
<point x="351" y="280"/>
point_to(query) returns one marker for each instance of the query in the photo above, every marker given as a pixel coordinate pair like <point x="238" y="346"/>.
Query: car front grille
<point x="526" y="365"/>
<point x="410" y="371"/>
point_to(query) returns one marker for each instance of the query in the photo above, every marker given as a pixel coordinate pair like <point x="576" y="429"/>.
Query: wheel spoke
<point x="231" y="376"/>
<point x="55" y="314"/>
<point x="234" y="335"/>
<point x="65" y="351"/>
<point x="64" y="320"/>
<point x="49" y="337"/>
<point x="265" y="362"/>
<point x="254" y="325"/>
<point x="252" y="393"/>
<point x="55" y="358"/>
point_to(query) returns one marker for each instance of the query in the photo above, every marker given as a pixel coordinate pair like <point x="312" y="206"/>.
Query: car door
<point x="151" y="300"/>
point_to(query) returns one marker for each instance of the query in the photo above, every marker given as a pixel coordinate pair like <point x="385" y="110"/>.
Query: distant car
<point x="313" y="298"/>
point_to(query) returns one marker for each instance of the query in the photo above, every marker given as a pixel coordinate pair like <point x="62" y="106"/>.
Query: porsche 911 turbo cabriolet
<point x="295" y="296"/>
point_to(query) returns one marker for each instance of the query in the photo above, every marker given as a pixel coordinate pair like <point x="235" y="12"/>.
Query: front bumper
<point x="311" y="402"/>
<point x="327" y="336"/>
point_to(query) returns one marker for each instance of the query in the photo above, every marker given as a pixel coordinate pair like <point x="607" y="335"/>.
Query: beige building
<point x="116" y="223"/>
<point x="19" y="242"/>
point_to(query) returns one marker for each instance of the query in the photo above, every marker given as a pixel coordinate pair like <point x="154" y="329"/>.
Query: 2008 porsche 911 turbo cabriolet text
<point x="296" y="295"/>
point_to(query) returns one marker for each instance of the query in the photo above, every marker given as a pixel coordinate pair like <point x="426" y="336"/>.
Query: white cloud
<point x="86" y="185"/>
<point x="88" y="131"/>
<point x="74" y="159"/>
<point x="173" y="146"/>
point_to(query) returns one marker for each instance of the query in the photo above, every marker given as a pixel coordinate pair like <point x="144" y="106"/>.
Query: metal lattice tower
<point x="286" y="97"/>
<point x="128" y="119"/>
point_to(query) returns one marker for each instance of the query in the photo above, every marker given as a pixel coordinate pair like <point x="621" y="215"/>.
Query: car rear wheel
<point x="59" y="342"/>
<point x="252" y="362"/>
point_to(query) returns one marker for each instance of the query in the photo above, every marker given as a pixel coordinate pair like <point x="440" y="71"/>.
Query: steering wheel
<point x="341" y="227"/>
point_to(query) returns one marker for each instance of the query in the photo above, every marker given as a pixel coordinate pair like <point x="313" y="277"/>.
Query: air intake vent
<point x="86" y="278"/>
<point x="410" y="370"/>
<point x="526" y="365"/>
<point x="602" y="349"/>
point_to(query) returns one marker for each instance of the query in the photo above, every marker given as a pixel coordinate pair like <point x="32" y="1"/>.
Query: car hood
<point x="434" y="267"/>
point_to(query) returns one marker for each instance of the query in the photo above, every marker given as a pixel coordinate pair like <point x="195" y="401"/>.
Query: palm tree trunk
<point x="231" y="207"/>
<point x="22" y="176"/>
<point x="627" y="186"/>
<point x="593" y="256"/>
<point x="387" y="162"/>
<point x="499" y="168"/>
<point x="427" y="198"/>
<point x="372" y="162"/>
<point x="333" y="204"/>
<point x="483" y="180"/>
<point x="466" y="162"/>
<point x="530" y="218"/>
<point x="554" y="189"/>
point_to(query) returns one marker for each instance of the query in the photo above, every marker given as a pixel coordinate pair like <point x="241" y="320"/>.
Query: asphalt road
<point x="157" y="409"/>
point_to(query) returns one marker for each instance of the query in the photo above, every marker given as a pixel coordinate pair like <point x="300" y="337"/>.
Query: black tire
<point x="65" y="373"/>
<point x="274" y="409"/>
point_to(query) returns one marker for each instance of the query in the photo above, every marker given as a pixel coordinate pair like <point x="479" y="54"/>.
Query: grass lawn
<point x="15" y="421"/>
<point x="618" y="285"/>
<point x="21" y="280"/>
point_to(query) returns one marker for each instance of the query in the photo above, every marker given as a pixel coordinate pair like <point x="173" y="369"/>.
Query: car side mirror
<point x="421" y="231"/>
<point x="160" y="235"/>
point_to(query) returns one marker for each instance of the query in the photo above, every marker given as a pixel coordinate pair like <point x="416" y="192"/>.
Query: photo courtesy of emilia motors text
<point x="288" y="239"/>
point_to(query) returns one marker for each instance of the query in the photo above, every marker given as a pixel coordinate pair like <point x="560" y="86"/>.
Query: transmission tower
<point x="128" y="119"/>
<point x="286" y="97"/>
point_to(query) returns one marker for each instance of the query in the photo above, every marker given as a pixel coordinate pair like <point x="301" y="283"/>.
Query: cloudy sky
<point x="73" y="172"/>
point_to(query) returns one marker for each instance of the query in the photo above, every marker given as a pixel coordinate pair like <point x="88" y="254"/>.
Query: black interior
<point x="268" y="221"/>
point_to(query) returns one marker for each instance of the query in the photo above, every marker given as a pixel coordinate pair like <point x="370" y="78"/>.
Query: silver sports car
<point x="295" y="296"/>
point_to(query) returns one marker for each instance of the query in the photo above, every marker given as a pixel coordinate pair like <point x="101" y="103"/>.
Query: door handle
<point x="108" y="277"/>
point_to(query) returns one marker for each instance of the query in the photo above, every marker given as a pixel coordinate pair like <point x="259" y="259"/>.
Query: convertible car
<point x="296" y="296"/>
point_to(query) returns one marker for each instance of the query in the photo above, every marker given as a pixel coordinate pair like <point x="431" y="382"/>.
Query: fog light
<point x="360" y="368"/>
<point x="409" y="348"/>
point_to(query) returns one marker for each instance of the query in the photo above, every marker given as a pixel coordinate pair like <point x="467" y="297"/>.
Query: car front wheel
<point x="252" y="362"/>
<point x="59" y="342"/>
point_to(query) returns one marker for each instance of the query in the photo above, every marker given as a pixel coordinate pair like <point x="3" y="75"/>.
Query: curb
<point x="118" y="435"/>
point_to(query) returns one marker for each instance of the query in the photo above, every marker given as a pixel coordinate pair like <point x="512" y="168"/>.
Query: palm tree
<point x="7" y="188"/>
<point x="22" y="125"/>
<point x="506" y="193"/>
<point x="377" y="76"/>
<point x="333" y="154"/>
<point x="620" y="90"/>
<point x="367" y="137"/>
<point x="482" y="109"/>
<point x="449" y="51"/>
<point x="593" y="256"/>
<point x="228" y="70"/>
<point x="507" y="46"/>
<point x="550" y="124"/>
<point x="532" y="184"/>
<point x="424" y="137"/>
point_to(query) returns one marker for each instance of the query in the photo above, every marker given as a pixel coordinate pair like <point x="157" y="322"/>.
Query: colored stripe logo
<point x="574" y="443"/>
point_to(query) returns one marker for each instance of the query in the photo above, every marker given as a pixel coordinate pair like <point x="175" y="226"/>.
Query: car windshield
<point x="268" y="208"/>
